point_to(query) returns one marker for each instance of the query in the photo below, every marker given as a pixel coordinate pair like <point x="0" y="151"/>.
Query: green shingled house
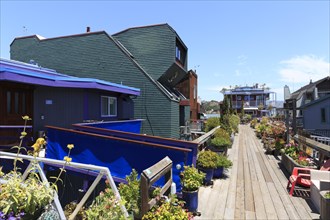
<point x="152" y="58"/>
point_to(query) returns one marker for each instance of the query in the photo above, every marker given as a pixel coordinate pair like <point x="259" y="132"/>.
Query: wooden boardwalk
<point x="254" y="188"/>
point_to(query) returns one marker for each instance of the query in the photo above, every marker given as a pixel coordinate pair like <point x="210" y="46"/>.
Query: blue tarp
<point x="119" y="156"/>
<point x="133" y="126"/>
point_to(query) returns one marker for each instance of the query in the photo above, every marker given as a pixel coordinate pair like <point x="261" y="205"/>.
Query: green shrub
<point x="234" y="121"/>
<point x="223" y="161"/>
<point x="220" y="132"/>
<point x="130" y="193"/>
<point x="191" y="178"/>
<point x="220" y="142"/>
<point x="207" y="159"/>
<point x="211" y="123"/>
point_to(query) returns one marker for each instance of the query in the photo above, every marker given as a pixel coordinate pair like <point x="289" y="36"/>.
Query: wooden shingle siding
<point x="96" y="55"/>
<point x="153" y="47"/>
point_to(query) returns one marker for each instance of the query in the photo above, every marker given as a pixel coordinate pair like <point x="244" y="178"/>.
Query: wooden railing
<point x="149" y="177"/>
<point x="322" y="149"/>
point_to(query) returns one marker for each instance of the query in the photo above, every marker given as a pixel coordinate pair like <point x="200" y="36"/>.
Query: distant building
<point x="52" y="98"/>
<point x="255" y="100"/>
<point x="152" y="58"/>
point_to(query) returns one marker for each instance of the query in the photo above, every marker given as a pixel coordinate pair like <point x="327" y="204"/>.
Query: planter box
<point x="289" y="163"/>
<point x="324" y="206"/>
<point x="222" y="150"/>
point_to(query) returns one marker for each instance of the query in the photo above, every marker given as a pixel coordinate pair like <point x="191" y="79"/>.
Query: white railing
<point x="103" y="171"/>
<point x="324" y="140"/>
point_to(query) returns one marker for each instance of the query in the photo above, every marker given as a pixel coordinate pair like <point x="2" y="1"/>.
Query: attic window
<point x="177" y="53"/>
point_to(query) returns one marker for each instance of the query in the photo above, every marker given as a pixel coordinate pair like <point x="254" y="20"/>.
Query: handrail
<point x="202" y="139"/>
<point x="103" y="171"/>
<point x="122" y="139"/>
<point x="149" y="177"/>
<point x="323" y="149"/>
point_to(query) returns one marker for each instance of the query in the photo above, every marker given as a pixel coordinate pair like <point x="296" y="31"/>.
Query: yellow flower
<point x="70" y="146"/>
<point x="23" y="133"/>
<point x="67" y="159"/>
<point x="26" y="117"/>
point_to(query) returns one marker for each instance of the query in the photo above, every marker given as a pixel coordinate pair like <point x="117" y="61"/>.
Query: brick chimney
<point x="88" y="29"/>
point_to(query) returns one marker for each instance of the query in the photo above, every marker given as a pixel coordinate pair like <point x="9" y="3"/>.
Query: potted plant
<point x="191" y="180"/>
<point x="105" y="206"/>
<point x="130" y="193"/>
<point x="168" y="209"/>
<point x="325" y="204"/>
<point x="222" y="163"/>
<point x="206" y="162"/>
<point x="220" y="144"/>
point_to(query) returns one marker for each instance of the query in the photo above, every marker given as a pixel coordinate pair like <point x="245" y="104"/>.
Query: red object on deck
<point x="300" y="176"/>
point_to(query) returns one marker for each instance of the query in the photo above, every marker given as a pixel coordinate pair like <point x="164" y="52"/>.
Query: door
<point x="16" y="100"/>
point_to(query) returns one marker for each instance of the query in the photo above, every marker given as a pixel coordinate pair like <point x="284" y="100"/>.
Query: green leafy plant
<point x="220" y="142"/>
<point x="69" y="209"/>
<point x="105" y="206"/>
<point x="234" y="121"/>
<point x="327" y="195"/>
<point x="223" y="161"/>
<point x="27" y="197"/>
<point x="130" y="193"/>
<point x="169" y="210"/>
<point x="191" y="178"/>
<point x="211" y="123"/>
<point x="220" y="132"/>
<point x="207" y="159"/>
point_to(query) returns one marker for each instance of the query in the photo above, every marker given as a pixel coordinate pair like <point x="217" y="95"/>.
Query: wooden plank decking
<point x="254" y="188"/>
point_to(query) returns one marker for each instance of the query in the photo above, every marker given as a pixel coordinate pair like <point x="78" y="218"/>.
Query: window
<point x="239" y="98"/>
<point x="195" y="91"/>
<point x="108" y="106"/>
<point x="177" y="53"/>
<point x="323" y="119"/>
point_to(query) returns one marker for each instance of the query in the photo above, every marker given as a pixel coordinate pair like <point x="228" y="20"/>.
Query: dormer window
<point x="177" y="53"/>
<point x="180" y="53"/>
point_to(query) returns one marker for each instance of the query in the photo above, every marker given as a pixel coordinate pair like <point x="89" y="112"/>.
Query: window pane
<point x="113" y="106"/>
<point x="104" y="105"/>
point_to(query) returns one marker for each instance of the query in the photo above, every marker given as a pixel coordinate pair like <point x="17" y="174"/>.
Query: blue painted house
<point x="316" y="115"/>
<point x="52" y="98"/>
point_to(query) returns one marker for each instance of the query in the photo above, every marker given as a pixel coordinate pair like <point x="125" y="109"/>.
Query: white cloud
<point x="302" y="69"/>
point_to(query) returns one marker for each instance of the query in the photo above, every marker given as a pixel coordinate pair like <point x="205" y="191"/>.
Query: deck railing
<point x="102" y="171"/>
<point x="149" y="177"/>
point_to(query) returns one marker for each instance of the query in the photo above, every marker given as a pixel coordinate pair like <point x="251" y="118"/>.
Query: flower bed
<point x="293" y="157"/>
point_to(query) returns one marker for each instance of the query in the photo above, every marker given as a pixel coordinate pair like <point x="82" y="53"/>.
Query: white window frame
<point x="109" y="98"/>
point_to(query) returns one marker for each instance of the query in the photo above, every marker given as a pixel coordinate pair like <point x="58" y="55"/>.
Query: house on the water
<point x="52" y="98"/>
<point x="153" y="58"/>
<point x="310" y="100"/>
<point x="255" y="100"/>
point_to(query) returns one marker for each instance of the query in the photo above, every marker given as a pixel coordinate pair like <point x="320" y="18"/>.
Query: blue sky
<point x="229" y="42"/>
